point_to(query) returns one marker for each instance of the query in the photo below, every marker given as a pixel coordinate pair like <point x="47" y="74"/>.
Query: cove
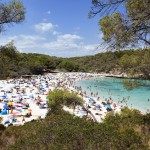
<point x="131" y="93"/>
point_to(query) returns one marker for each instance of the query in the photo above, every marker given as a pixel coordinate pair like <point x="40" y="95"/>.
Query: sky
<point x="58" y="28"/>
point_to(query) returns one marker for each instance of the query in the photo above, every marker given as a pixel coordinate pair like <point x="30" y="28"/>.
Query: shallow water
<point x="107" y="87"/>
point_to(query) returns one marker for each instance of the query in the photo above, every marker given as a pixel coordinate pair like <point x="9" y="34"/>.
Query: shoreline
<point x="121" y="104"/>
<point x="34" y="92"/>
<point x="79" y="91"/>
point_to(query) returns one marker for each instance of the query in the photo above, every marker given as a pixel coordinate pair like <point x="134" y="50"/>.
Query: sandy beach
<point x="25" y="99"/>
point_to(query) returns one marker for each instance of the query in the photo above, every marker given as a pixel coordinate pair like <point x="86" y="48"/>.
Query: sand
<point x="28" y="95"/>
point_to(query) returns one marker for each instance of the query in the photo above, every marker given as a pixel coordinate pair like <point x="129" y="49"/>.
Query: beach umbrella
<point x="97" y="107"/>
<point x="10" y="103"/>
<point x="8" y="91"/>
<point x="42" y="89"/>
<point x="17" y="87"/>
<point x="24" y="107"/>
<point x="6" y="120"/>
<point x="43" y="105"/>
<point x="5" y="107"/>
<point x="90" y="99"/>
<point x="4" y="112"/>
<point x="107" y="106"/>
<point x="40" y="85"/>
<point x="31" y="96"/>
<point x="4" y="97"/>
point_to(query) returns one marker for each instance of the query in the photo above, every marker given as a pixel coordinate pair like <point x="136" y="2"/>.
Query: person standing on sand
<point x="23" y="119"/>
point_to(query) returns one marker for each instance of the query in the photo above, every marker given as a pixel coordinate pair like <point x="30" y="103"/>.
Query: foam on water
<point x="107" y="87"/>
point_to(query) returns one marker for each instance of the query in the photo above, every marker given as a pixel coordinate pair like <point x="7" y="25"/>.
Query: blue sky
<point x="57" y="28"/>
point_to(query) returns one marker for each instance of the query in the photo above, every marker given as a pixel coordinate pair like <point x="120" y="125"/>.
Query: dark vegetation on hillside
<point x="133" y="62"/>
<point x="62" y="131"/>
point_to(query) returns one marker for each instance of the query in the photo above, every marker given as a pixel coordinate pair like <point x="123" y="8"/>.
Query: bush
<point x="58" y="98"/>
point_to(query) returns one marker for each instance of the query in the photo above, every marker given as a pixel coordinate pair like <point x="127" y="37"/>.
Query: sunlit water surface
<point x="107" y="87"/>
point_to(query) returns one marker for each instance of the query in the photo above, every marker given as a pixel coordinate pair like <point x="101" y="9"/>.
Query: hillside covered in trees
<point x="14" y="64"/>
<point x="128" y="61"/>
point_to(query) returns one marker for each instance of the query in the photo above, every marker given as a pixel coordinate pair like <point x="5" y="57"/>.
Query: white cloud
<point x="66" y="41"/>
<point x="44" y="27"/>
<point x="91" y="47"/>
<point x="56" y="33"/>
<point x="65" y="45"/>
<point x="23" y="42"/>
<point x="69" y="37"/>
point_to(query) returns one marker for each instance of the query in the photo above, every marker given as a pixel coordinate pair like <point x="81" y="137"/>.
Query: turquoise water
<point x="106" y="87"/>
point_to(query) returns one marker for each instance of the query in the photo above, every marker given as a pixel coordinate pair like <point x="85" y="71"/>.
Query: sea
<point x="127" y="92"/>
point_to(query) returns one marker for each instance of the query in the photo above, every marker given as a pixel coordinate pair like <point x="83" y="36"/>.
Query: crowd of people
<point x="25" y="99"/>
